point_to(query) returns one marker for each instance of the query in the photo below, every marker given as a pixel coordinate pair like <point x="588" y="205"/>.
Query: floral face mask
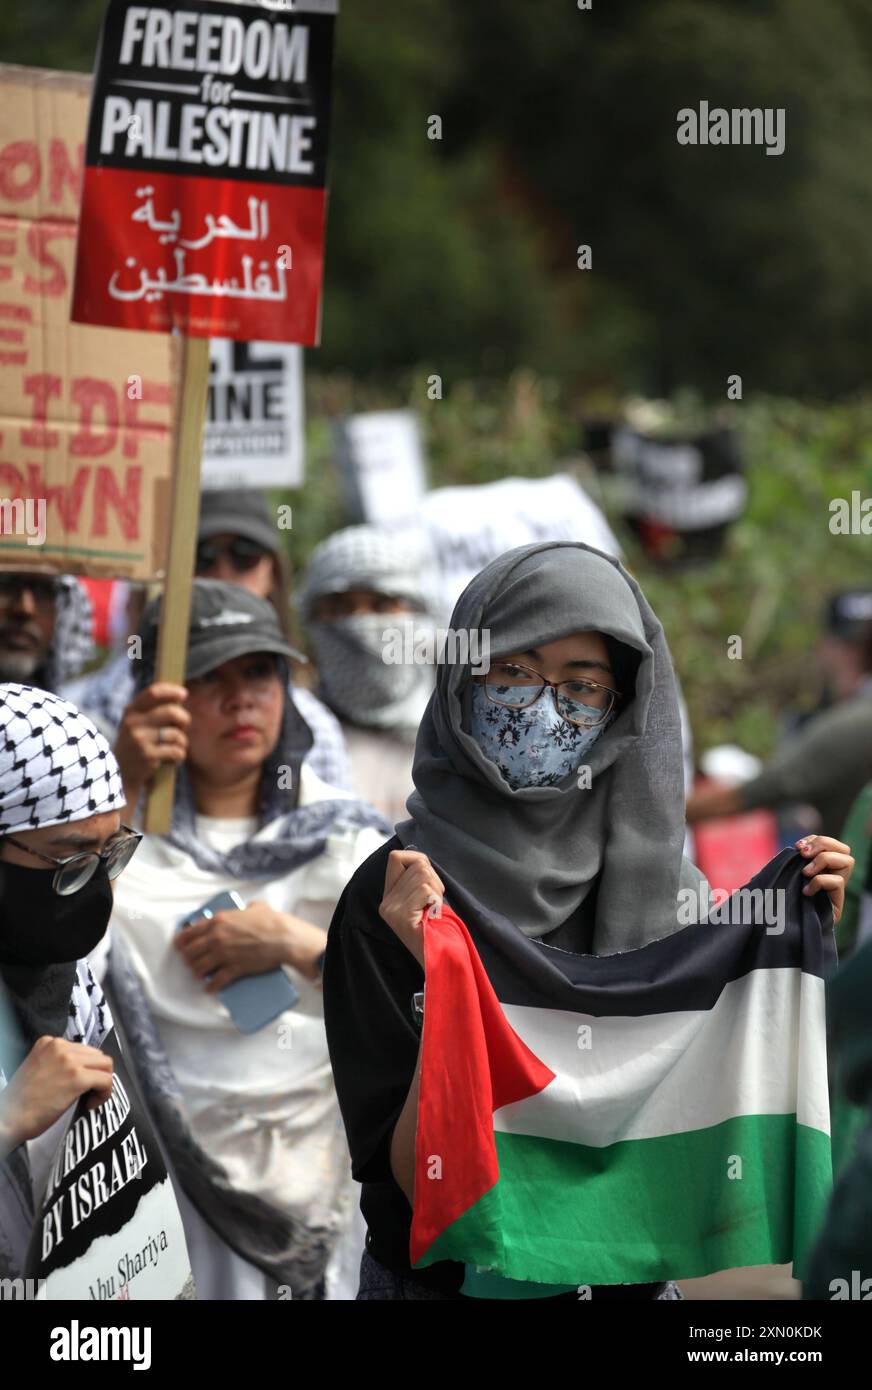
<point x="531" y="747"/>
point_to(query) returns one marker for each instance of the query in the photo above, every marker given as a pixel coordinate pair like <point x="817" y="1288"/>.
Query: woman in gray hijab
<point x="548" y="790"/>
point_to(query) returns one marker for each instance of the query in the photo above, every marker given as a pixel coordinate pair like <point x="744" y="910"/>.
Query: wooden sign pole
<point x="175" y="610"/>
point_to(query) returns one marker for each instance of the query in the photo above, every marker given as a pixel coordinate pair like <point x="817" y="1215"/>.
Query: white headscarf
<point x="355" y="680"/>
<point x="55" y="766"/>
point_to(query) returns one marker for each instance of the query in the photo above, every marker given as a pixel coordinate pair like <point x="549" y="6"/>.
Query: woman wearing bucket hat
<point x="237" y="543"/>
<point x="250" y="1119"/>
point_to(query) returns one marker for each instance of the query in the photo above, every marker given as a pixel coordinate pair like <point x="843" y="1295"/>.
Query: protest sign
<point x="254" y="416"/>
<point x="203" y="207"/>
<point x="85" y="413"/>
<point x="109" y="1225"/>
<point x="381" y="461"/>
<point x="680" y="496"/>
<point x="468" y="527"/>
<point x="204" y="200"/>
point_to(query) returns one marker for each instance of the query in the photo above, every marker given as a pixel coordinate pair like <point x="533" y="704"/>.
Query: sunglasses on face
<point x="243" y="554"/>
<point x="12" y="586"/>
<point x="73" y="873"/>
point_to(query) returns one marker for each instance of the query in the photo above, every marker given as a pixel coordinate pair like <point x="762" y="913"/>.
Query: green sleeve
<point x="855" y="834"/>
<point x="823" y="754"/>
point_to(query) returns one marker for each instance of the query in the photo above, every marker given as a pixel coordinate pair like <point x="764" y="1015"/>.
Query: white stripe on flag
<point x="760" y="1050"/>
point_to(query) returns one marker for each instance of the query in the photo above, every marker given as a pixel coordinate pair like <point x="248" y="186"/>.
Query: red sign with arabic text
<point x="220" y="274"/>
<point x="204" y="200"/>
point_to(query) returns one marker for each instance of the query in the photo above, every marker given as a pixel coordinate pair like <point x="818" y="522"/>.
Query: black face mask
<point x="38" y="927"/>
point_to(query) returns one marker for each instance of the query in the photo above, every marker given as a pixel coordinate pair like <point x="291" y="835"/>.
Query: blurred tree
<point x="737" y="261"/>
<point x="559" y="128"/>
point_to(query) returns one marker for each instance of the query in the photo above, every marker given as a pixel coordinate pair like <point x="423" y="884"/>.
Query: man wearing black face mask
<point x="61" y="843"/>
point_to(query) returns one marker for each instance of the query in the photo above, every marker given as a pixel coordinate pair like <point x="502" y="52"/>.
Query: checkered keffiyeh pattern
<point x="72" y="645"/>
<point x="54" y="764"/>
<point x="366" y="557"/>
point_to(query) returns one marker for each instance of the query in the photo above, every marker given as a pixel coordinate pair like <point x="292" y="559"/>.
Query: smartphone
<point x="255" y="1000"/>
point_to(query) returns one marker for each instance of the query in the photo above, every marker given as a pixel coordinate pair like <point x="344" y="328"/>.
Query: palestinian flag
<point x="658" y="1114"/>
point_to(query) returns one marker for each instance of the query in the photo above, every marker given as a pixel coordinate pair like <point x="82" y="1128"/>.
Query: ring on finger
<point x="160" y="734"/>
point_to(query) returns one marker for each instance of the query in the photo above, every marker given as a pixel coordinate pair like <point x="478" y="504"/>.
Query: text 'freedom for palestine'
<point x="188" y="42"/>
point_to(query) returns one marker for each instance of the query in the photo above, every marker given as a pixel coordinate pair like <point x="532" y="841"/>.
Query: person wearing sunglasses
<point x="237" y="543"/>
<point x="46" y="635"/>
<point x="62" y="844"/>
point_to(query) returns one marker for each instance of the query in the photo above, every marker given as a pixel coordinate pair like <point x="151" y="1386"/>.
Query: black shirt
<point x="369" y="980"/>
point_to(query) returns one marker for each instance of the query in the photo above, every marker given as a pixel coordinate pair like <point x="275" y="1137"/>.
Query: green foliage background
<point x="458" y="256"/>
<point x="770" y="584"/>
<point x="558" y="128"/>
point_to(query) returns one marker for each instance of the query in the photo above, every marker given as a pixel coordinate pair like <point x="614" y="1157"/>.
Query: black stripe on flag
<point x="685" y="971"/>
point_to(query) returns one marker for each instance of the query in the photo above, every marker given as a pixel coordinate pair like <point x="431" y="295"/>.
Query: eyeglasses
<point x="242" y="553"/>
<point x="73" y="873"/>
<point x="42" y="587"/>
<point x="582" y="702"/>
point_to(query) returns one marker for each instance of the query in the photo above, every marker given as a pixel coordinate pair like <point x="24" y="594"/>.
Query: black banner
<point x="215" y="90"/>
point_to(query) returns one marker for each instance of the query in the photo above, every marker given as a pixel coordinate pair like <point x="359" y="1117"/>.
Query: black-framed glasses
<point x="242" y="553"/>
<point x="43" y="587"/>
<point x="73" y="873"/>
<point x="582" y="702"/>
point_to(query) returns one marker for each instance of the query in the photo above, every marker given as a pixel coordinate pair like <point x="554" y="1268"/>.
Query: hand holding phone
<point x="254" y="1000"/>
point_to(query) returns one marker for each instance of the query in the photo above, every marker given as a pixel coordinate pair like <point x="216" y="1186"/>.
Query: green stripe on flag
<point x="648" y="1209"/>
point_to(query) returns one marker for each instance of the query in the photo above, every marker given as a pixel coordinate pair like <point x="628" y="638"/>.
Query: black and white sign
<point x="109" y="1225"/>
<point x="254" y="416"/>
<point x="381" y="458"/>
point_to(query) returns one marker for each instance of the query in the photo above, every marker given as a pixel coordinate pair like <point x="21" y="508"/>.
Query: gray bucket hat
<point x="226" y="621"/>
<point x="241" y="512"/>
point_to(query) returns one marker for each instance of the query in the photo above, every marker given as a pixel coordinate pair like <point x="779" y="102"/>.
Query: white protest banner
<point x="468" y="527"/>
<point x="686" y="485"/>
<point x="254" y="416"/>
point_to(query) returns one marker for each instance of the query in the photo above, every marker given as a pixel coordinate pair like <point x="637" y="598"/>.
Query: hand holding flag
<point x="412" y="886"/>
<point x="825" y="853"/>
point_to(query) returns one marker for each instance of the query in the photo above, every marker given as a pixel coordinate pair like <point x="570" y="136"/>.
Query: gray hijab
<point x="536" y="854"/>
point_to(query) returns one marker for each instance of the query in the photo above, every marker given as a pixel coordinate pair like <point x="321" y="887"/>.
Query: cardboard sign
<point x="254" y="416"/>
<point x="85" y="413"/>
<point x="204" y="196"/>
<point x="109" y="1225"/>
